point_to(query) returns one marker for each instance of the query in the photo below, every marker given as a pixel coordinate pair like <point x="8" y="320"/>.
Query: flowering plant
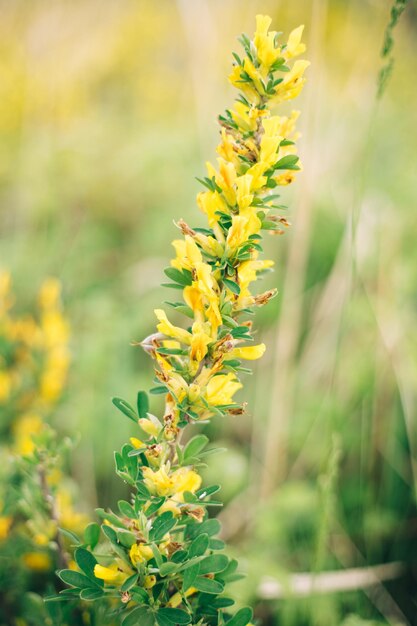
<point x="36" y="494"/>
<point x="163" y="562"/>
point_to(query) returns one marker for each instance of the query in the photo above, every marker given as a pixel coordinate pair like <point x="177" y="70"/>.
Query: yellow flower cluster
<point x="197" y="367"/>
<point x="216" y="267"/>
<point x="34" y="363"/>
<point x="33" y="371"/>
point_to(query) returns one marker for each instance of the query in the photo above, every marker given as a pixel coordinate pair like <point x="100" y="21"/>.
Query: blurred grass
<point x="107" y="112"/>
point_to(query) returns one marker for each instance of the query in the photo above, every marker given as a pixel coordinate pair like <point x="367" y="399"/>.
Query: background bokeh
<point x="107" y="114"/>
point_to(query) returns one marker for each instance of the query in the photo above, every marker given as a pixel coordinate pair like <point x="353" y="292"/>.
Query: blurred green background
<point x="107" y="113"/>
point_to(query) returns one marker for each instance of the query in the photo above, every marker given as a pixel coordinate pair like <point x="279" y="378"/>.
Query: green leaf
<point x="86" y="562"/>
<point x="141" y="615"/>
<point x="288" y="162"/>
<point x="172" y="286"/>
<point x="156" y="504"/>
<point x="199" y="545"/>
<point x="242" y="617"/>
<point x="168" y="568"/>
<point x="161" y="526"/>
<point x="161" y="620"/>
<point x="205" y="492"/>
<point x="207" y="585"/>
<point x="126" y="509"/>
<point x="216" y="544"/>
<point x="70" y="535"/>
<point x="175" y="616"/>
<point x="143" y="404"/>
<point x="189" y="576"/>
<point x="230" y="284"/>
<point x="157" y="555"/>
<point x="92" y="535"/>
<point x="195" y="446"/>
<point x="91" y="594"/>
<point x="110" y="517"/>
<point x="125" y="408"/>
<point x="129" y="582"/>
<point x="213" y="564"/>
<point x="75" y="579"/>
<point x="142" y="490"/>
<point x="126" y="538"/>
<point x="210" y="526"/>
<point x="110" y="533"/>
<point x="160" y="389"/>
<point x="183" y="277"/>
<point x="140" y="595"/>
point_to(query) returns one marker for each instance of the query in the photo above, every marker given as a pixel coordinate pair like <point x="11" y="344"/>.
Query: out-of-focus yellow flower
<point x="68" y="517"/>
<point x="49" y="294"/>
<point x="37" y="561"/>
<point x="23" y="430"/>
<point x="6" y="300"/>
<point x="5" y="385"/>
<point x="5" y="524"/>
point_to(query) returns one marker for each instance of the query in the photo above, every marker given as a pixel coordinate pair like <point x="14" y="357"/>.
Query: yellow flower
<point x="292" y="83"/>
<point x="199" y="341"/>
<point x="244" y="196"/>
<point x="112" y="575"/>
<point x="188" y="253"/>
<point x="246" y="117"/>
<point x="139" y="553"/>
<point x="136" y="443"/>
<point x="149" y="582"/>
<point x="247" y="273"/>
<point x="193" y="298"/>
<point x="151" y="427"/>
<point x="162" y="483"/>
<point x="257" y="172"/>
<point x="166" y="328"/>
<point x="249" y="353"/>
<point x="294" y="46"/>
<point x="265" y="42"/>
<point x="177" y="598"/>
<point x="243" y="226"/>
<point x="236" y="80"/>
<point x="221" y="388"/>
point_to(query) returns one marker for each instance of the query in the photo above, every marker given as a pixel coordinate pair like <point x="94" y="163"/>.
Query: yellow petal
<point x="249" y="353"/>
